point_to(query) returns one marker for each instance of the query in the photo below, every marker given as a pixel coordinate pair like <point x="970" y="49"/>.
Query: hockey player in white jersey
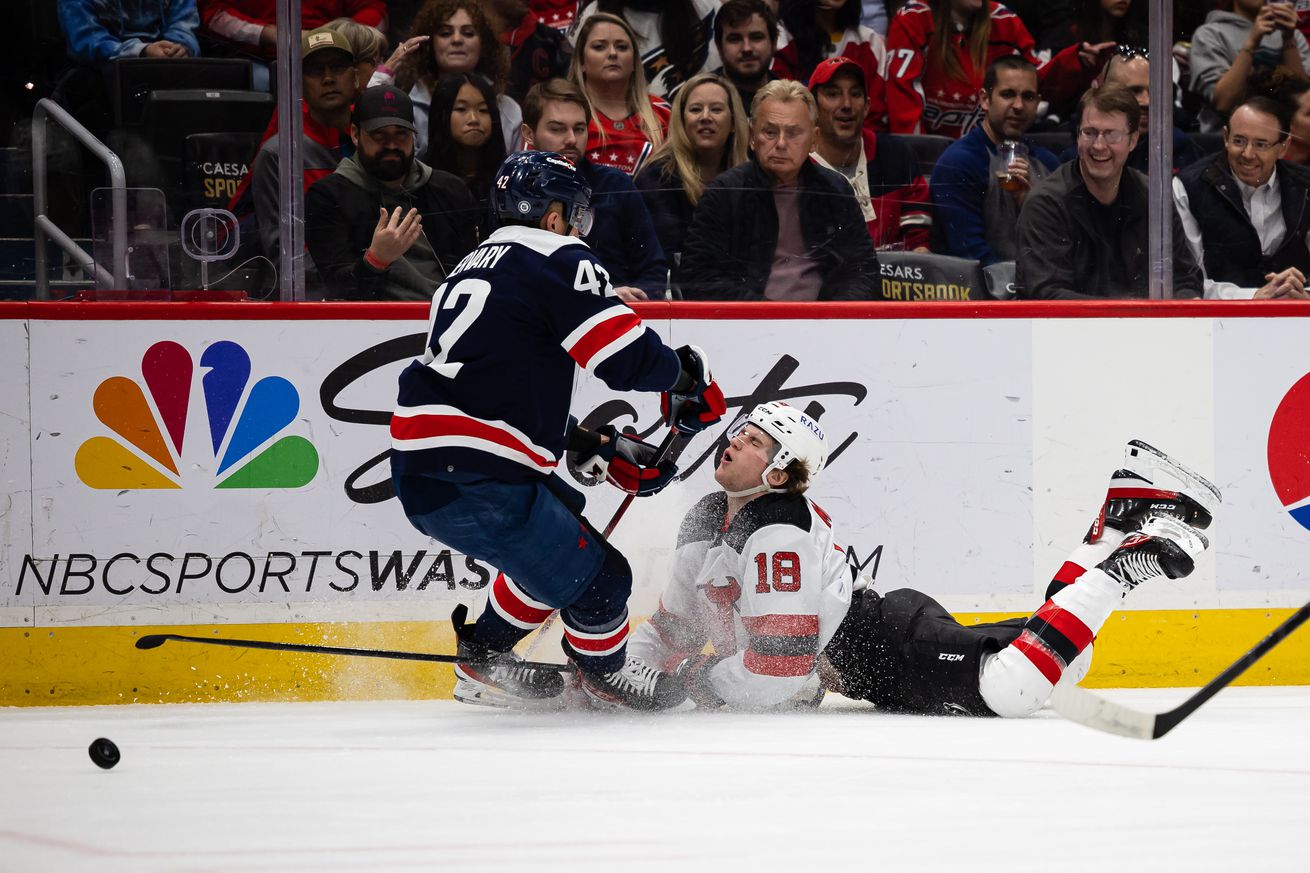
<point x="757" y="573"/>
<point x="482" y="420"/>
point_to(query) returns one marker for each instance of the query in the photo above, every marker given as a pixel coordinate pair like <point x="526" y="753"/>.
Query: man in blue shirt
<point x="107" y="29"/>
<point x="976" y="216"/>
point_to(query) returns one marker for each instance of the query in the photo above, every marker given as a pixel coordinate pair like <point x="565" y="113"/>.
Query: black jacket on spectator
<point x="666" y="200"/>
<point x="728" y="251"/>
<point x="341" y="211"/>
<point x="1072" y="247"/>
<point x="1231" y="244"/>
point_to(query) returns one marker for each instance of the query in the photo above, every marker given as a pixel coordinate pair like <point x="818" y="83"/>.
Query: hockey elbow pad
<point x="629" y="464"/>
<point x="695" y="402"/>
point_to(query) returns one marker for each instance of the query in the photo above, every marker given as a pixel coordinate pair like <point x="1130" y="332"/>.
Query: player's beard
<point x="388" y="165"/>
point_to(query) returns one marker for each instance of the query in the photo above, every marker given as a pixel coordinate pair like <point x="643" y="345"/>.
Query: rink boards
<point x="220" y="469"/>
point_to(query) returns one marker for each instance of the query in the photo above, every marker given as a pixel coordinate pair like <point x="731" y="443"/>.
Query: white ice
<point x="442" y="786"/>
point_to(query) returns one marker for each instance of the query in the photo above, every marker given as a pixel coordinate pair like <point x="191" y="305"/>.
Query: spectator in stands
<point x="627" y="123"/>
<point x="556" y="119"/>
<point x="1131" y="67"/>
<point x="935" y="74"/>
<point x="470" y="143"/>
<point x="976" y="214"/>
<point x="779" y="227"/>
<point x="1121" y="22"/>
<point x="673" y="37"/>
<point x="1296" y="94"/>
<point x="101" y="30"/>
<point x="812" y="27"/>
<point x="881" y="168"/>
<point x="708" y="134"/>
<point x="1083" y="231"/>
<point x="1230" y="46"/>
<point x="537" y="51"/>
<point x="746" y="34"/>
<point x="368" y="43"/>
<point x="327" y="85"/>
<point x="460" y="40"/>
<point x="384" y="225"/>
<point x="251" y="25"/>
<point x="1246" y="212"/>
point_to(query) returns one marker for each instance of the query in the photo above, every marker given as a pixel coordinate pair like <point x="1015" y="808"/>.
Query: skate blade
<point x="1202" y="489"/>
<point x="481" y="695"/>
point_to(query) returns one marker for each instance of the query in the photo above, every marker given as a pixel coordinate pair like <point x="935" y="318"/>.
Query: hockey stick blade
<point x="1080" y="705"/>
<point x="154" y="641"/>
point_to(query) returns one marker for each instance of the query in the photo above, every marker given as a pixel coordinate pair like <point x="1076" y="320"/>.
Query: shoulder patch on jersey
<point x="540" y="241"/>
<point x="764" y="511"/>
<point x="704" y="521"/>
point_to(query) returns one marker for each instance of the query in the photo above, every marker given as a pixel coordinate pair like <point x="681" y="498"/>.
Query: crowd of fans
<point x="771" y="149"/>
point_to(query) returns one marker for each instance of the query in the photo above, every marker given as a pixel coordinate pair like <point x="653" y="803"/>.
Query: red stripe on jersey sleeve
<point x="600" y="336"/>
<point x="778" y="665"/>
<point x="781" y="625"/>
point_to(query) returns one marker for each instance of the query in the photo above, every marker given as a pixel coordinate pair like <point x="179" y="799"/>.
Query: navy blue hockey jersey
<point x="490" y="395"/>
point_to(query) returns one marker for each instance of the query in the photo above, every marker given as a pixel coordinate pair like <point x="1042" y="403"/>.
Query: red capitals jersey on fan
<point x="1303" y="17"/>
<point x="556" y="13"/>
<point x="622" y="144"/>
<point x="861" y="45"/>
<point x="923" y="98"/>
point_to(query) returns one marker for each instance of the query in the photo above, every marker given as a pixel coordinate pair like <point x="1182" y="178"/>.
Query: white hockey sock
<point x="1018" y="679"/>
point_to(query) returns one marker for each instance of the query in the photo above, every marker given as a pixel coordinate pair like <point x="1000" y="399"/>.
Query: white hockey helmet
<point x="798" y="436"/>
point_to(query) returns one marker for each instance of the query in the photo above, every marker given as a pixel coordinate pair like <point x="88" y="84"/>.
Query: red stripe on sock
<point x="1040" y="656"/>
<point x="596" y="645"/>
<point x="1069" y="573"/>
<point x="1073" y="627"/>
<point x="511" y="601"/>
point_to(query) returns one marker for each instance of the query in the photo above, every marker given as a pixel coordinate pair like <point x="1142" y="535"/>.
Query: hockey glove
<point x="629" y="464"/>
<point x="695" y="675"/>
<point x="695" y="402"/>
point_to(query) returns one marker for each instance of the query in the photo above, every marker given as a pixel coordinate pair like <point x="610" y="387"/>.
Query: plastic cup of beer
<point x="1007" y="153"/>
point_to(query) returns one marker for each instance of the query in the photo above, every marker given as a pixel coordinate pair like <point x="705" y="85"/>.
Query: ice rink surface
<point x="442" y="786"/>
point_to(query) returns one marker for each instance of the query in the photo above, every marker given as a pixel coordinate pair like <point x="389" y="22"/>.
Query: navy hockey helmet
<point x="527" y="183"/>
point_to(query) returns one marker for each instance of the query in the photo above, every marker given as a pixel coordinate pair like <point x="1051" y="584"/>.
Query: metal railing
<point x="44" y="228"/>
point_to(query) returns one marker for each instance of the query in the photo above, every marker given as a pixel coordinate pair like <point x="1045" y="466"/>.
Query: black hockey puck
<point x="104" y="753"/>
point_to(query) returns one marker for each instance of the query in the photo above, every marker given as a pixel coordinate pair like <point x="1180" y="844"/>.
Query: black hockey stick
<point x="1078" y="704"/>
<point x="154" y="641"/>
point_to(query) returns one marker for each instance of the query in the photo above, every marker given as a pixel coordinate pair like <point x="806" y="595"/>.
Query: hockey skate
<point x="1151" y="483"/>
<point x="490" y="678"/>
<point x="1164" y="548"/>
<point x="633" y="686"/>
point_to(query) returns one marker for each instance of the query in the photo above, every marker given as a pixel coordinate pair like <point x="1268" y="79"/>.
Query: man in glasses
<point x="779" y="227"/>
<point x="1246" y="211"/>
<point x="1083" y="232"/>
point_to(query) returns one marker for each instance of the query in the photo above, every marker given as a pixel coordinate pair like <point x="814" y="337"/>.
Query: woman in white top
<point x="459" y="40"/>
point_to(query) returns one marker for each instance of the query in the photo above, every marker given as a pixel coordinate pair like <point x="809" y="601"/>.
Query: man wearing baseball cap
<point x="882" y="169"/>
<point x="327" y="86"/>
<point x="384" y="225"/>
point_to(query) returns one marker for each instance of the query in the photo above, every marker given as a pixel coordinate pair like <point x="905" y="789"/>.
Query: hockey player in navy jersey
<point x="482" y="421"/>
<point x="758" y="575"/>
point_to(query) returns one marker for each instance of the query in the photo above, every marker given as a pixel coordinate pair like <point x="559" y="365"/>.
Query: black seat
<point x="135" y="78"/>
<point x="927" y="148"/>
<point x="1209" y="143"/>
<point x="212" y="167"/>
<point x="1055" y="141"/>
<point x="920" y="277"/>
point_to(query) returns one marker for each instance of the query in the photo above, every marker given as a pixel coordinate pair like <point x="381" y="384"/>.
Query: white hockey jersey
<point x="767" y="591"/>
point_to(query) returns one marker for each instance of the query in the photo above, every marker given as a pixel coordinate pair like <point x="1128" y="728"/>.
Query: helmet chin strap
<point x="762" y="487"/>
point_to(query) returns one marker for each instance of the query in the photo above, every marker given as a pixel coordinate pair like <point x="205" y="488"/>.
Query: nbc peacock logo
<point x="1289" y="451"/>
<point x="149" y="425"/>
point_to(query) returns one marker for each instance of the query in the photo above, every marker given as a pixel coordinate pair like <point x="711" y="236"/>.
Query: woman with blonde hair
<point x="627" y="123"/>
<point x="460" y="40"/>
<point x="708" y="133"/>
